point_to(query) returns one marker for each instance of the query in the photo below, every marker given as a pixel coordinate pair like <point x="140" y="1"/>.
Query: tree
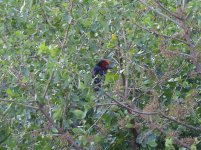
<point x="149" y="100"/>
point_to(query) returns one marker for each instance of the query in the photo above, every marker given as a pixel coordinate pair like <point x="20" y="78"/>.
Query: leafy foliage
<point x="149" y="100"/>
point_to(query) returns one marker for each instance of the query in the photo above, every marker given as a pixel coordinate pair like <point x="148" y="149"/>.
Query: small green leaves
<point x="52" y="50"/>
<point x="57" y="114"/>
<point x="111" y="77"/>
<point x="78" y="114"/>
<point x="47" y="52"/>
<point x="78" y="131"/>
<point x="54" y="130"/>
<point x="129" y="125"/>
<point x="5" y="132"/>
<point x="43" y="49"/>
<point x="169" y="144"/>
<point x="152" y="142"/>
<point x="9" y="92"/>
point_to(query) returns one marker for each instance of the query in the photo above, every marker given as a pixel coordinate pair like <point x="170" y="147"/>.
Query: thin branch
<point x="124" y="36"/>
<point x="198" y="43"/>
<point x="168" y="11"/>
<point x="41" y="106"/>
<point x="60" y="130"/>
<point x="176" y="140"/>
<point x="181" y="123"/>
<point x="14" y="101"/>
<point x="159" y="34"/>
<point x="42" y="109"/>
<point x="98" y="118"/>
<point x="106" y="104"/>
<point x="62" y="48"/>
<point x="120" y="57"/>
<point x="184" y="2"/>
<point x="45" y="16"/>
<point x="48" y="84"/>
<point x="130" y="109"/>
<point x="126" y="92"/>
<point x="193" y="52"/>
<point x="159" y="13"/>
<point x="170" y="74"/>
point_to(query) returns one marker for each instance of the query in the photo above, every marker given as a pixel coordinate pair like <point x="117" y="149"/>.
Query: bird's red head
<point x="104" y="64"/>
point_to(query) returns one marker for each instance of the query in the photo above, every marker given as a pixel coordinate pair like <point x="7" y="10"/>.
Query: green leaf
<point x="78" y="131"/>
<point x="54" y="52"/>
<point x="43" y="49"/>
<point x="4" y="134"/>
<point x="79" y="114"/>
<point x="54" y="130"/>
<point x="57" y="114"/>
<point x="98" y="138"/>
<point x="9" y="92"/>
<point x="193" y="147"/>
<point x="111" y="77"/>
<point x="147" y="82"/>
<point x="152" y="142"/>
<point x="129" y="125"/>
<point x="169" y="144"/>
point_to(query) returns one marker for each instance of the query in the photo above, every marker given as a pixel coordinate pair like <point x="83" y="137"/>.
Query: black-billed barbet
<point x="99" y="72"/>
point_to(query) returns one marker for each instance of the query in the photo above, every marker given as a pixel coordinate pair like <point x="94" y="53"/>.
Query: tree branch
<point x="130" y="109"/>
<point x="60" y="130"/>
<point x="126" y="92"/>
<point x="193" y="52"/>
<point x="159" y="34"/>
<point x="41" y="106"/>
<point x="168" y="11"/>
<point x="176" y="140"/>
<point x="181" y="123"/>
<point x="156" y="113"/>
<point x="122" y="105"/>
<point x="159" y="13"/>
<point x="120" y="57"/>
<point x="14" y="101"/>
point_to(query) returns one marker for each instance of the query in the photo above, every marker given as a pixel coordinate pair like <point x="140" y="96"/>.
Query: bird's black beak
<point x="108" y="67"/>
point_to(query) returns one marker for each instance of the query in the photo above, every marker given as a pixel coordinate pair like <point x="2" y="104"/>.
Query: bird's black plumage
<point x="99" y="72"/>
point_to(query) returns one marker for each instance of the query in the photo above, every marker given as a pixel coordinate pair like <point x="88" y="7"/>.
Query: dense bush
<point x="149" y="100"/>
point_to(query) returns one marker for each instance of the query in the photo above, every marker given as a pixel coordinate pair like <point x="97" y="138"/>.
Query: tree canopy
<point x="151" y="99"/>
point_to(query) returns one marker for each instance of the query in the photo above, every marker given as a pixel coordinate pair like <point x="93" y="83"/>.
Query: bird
<point x="99" y="72"/>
